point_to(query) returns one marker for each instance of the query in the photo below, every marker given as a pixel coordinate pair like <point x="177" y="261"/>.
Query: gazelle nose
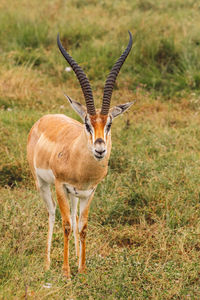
<point x="99" y="148"/>
<point x="99" y="141"/>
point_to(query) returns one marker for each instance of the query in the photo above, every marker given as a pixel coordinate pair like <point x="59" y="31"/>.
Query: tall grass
<point x="165" y="57"/>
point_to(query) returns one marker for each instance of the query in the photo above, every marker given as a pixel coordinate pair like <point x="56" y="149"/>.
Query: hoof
<point x="82" y="270"/>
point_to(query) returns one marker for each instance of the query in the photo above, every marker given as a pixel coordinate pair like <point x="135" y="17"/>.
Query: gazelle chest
<point x="78" y="193"/>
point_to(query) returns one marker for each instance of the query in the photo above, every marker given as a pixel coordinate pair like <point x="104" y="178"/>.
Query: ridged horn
<point x="109" y="85"/>
<point x="84" y="82"/>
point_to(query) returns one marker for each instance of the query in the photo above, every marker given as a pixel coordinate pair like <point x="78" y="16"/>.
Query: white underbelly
<point x="46" y="175"/>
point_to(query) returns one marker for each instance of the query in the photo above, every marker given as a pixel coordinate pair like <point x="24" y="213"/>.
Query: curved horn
<point x="109" y="85"/>
<point x="84" y="82"/>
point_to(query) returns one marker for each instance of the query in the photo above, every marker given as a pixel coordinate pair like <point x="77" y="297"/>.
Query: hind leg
<point x="82" y="227"/>
<point x="74" y="216"/>
<point x="45" y="192"/>
<point x="66" y="223"/>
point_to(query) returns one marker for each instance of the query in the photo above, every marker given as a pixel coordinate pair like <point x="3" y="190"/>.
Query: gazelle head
<point x="97" y="122"/>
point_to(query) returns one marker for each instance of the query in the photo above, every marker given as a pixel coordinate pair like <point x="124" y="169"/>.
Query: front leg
<point x="66" y="223"/>
<point x="82" y="226"/>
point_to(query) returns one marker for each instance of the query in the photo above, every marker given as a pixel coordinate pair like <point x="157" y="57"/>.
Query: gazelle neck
<point x="77" y="165"/>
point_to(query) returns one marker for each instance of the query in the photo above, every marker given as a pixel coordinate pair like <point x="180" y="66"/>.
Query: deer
<point x="74" y="157"/>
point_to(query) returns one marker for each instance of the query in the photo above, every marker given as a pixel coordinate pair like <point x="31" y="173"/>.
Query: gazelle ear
<point x="120" y="109"/>
<point x="79" y="108"/>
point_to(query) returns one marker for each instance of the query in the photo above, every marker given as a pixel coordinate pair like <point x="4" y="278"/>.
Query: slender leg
<point x="66" y="223"/>
<point x="45" y="193"/>
<point x="82" y="226"/>
<point x="74" y="203"/>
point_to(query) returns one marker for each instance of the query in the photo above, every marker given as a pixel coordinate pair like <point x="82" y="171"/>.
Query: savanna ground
<point x="144" y="226"/>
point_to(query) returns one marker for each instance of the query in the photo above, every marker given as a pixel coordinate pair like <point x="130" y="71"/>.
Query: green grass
<point x="165" y="56"/>
<point x="143" y="235"/>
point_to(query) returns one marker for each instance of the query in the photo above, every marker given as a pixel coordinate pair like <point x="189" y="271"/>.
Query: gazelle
<point x="74" y="157"/>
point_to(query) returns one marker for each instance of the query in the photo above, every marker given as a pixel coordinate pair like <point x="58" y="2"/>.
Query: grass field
<point x="144" y="226"/>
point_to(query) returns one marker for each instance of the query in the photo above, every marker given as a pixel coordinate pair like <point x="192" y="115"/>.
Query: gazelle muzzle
<point x="99" y="149"/>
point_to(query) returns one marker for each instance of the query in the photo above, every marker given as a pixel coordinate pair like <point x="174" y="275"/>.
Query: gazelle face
<point x="97" y="127"/>
<point x="98" y="131"/>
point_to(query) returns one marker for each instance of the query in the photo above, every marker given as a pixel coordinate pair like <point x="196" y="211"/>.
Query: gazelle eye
<point x="88" y="128"/>
<point x="108" y="127"/>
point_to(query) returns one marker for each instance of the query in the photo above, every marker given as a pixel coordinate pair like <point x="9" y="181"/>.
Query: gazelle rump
<point x="74" y="157"/>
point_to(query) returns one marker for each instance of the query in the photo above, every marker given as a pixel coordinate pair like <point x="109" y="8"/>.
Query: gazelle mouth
<point x="99" y="157"/>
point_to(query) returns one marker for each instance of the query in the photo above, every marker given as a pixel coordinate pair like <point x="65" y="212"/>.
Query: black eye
<point x="88" y="128"/>
<point x="108" y="127"/>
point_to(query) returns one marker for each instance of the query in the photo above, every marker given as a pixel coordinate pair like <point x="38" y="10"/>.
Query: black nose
<point x="99" y="141"/>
